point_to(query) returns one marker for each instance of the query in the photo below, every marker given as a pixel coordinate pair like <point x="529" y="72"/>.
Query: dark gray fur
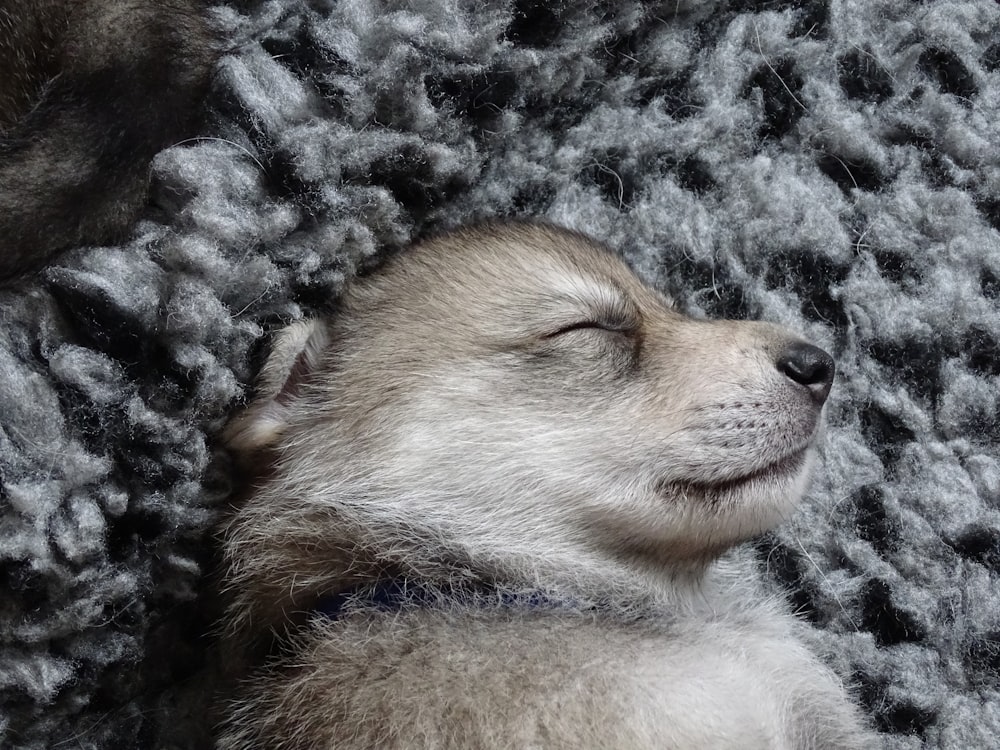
<point x="90" y="91"/>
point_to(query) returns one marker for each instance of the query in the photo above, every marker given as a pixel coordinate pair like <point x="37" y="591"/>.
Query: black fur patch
<point x="979" y="544"/>
<point x="481" y="97"/>
<point x="885" y="433"/>
<point x="788" y="566"/>
<point x="872" y="522"/>
<point x="896" y="267"/>
<point x="536" y="24"/>
<point x="813" y="277"/>
<point x="408" y="173"/>
<point x="905" y="718"/>
<point x="105" y="322"/>
<point x="934" y="161"/>
<point x="991" y="58"/>
<point x="720" y="295"/>
<point x="673" y="94"/>
<point x="950" y="73"/>
<point x="852" y="174"/>
<point x="981" y="350"/>
<point x="989" y="207"/>
<point x="889" y="624"/>
<point x="915" y="362"/>
<point x="862" y="77"/>
<point x="989" y="282"/>
<point x="132" y="533"/>
<point x="25" y="585"/>
<point x="781" y="88"/>
<point x="982" y="660"/>
<point x="892" y="715"/>
<point x="695" y="175"/>
<point x="533" y="198"/>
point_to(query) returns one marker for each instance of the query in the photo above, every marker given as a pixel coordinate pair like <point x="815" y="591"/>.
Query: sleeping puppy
<point x="492" y="501"/>
<point x="90" y="91"/>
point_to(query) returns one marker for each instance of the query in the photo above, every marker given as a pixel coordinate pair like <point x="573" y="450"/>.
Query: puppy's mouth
<point x="784" y="468"/>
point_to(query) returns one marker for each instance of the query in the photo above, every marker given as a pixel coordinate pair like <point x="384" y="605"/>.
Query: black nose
<point x="810" y="366"/>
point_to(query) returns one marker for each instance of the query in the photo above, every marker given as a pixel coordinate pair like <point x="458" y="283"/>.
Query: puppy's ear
<point x="295" y="354"/>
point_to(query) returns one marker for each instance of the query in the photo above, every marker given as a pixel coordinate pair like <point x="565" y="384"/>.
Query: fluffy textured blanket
<point x="833" y="165"/>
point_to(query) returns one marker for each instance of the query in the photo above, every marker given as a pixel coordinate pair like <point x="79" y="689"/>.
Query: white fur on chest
<point x="548" y="678"/>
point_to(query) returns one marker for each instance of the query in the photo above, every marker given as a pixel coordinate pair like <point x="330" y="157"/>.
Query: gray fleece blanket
<point x="832" y="165"/>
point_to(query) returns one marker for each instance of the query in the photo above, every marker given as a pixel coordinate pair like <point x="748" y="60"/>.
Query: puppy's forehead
<point x="528" y="258"/>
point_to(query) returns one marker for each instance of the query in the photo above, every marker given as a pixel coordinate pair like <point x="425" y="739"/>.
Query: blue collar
<point x="395" y="594"/>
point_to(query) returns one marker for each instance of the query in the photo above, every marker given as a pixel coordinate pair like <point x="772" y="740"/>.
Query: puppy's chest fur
<point x="518" y="676"/>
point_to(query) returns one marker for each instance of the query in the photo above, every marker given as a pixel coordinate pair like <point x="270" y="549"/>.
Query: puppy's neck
<point x="595" y="579"/>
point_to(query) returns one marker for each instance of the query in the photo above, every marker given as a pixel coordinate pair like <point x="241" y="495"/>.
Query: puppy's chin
<point x="755" y="488"/>
<point x="735" y="510"/>
<point x="682" y="522"/>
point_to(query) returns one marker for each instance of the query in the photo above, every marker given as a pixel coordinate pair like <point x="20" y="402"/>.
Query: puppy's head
<point x="515" y="390"/>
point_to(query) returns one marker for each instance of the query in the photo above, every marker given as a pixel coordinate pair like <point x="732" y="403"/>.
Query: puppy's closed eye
<point x="620" y="327"/>
<point x="615" y="342"/>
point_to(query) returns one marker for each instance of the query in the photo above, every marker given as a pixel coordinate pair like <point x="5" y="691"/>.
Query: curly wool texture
<point x="828" y="165"/>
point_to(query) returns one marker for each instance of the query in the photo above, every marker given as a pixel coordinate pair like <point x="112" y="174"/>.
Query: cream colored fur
<point x="509" y="409"/>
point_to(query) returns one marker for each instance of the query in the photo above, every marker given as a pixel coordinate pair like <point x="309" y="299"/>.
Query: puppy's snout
<point x="809" y="366"/>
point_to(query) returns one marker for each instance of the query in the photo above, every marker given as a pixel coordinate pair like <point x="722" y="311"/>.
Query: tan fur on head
<point x="511" y="405"/>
